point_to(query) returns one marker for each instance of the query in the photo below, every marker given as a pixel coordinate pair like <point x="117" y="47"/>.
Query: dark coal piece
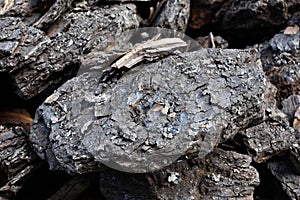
<point x="268" y="139"/>
<point x="245" y="22"/>
<point x="174" y="15"/>
<point x="153" y="114"/>
<point x="273" y="135"/>
<point x="280" y="59"/>
<point x="203" y="11"/>
<point x="294" y="156"/>
<point x="28" y="11"/>
<point x="285" y="42"/>
<point x="41" y="62"/>
<point x="17" y="159"/>
<point x="56" y="11"/>
<point x="220" y="175"/>
<point x="288" y="179"/>
<point x="290" y="105"/>
<point x="19" y="44"/>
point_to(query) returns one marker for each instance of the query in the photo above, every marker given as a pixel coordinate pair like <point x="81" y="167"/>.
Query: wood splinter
<point x="150" y="49"/>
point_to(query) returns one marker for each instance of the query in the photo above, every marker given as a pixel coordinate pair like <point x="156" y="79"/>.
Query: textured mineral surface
<point x="154" y="113"/>
<point x="220" y="175"/>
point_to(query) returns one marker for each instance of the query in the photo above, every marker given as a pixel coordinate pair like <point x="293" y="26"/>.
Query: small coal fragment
<point x="296" y="121"/>
<point x="294" y="156"/>
<point x="286" y="42"/>
<point x="174" y="15"/>
<point x="267" y="140"/>
<point x="212" y="42"/>
<point x="290" y="105"/>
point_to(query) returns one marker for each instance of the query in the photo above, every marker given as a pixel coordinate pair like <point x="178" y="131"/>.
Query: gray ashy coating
<point x="153" y="114"/>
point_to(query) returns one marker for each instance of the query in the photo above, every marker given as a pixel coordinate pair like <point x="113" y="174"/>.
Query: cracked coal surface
<point x="154" y="113"/>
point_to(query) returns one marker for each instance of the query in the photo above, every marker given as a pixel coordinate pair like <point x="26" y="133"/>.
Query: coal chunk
<point x="220" y="175"/>
<point x="153" y="114"/>
<point x="41" y="61"/>
<point x="267" y="140"/>
<point x="280" y="59"/>
<point x="20" y="44"/>
<point x="294" y="156"/>
<point x="174" y="15"/>
<point x="252" y="20"/>
<point x="18" y="161"/>
<point x="288" y="179"/>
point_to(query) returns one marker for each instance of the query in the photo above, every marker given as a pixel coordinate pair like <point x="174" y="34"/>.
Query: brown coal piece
<point x="152" y="114"/>
<point x="17" y="159"/>
<point x="220" y="175"/>
<point x="286" y="176"/>
<point x="42" y="62"/>
<point x="174" y="15"/>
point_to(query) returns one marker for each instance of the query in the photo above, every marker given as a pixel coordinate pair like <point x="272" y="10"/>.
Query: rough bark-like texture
<point x="286" y="176"/>
<point x="28" y="10"/>
<point x="281" y="58"/>
<point x="174" y="15"/>
<point x="251" y="20"/>
<point x="152" y="114"/>
<point x="20" y="44"/>
<point x="45" y="61"/>
<point x="267" y="139"/>
<point x="53" y="13"/>
<point x="273" y="136"/>
<point x="17" y="159"/>
<point x="220" y="175"/>
<point x="294" y="156"/>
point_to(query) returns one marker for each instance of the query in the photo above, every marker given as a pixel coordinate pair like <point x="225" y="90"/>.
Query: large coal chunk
<point x="154" y="113"/>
